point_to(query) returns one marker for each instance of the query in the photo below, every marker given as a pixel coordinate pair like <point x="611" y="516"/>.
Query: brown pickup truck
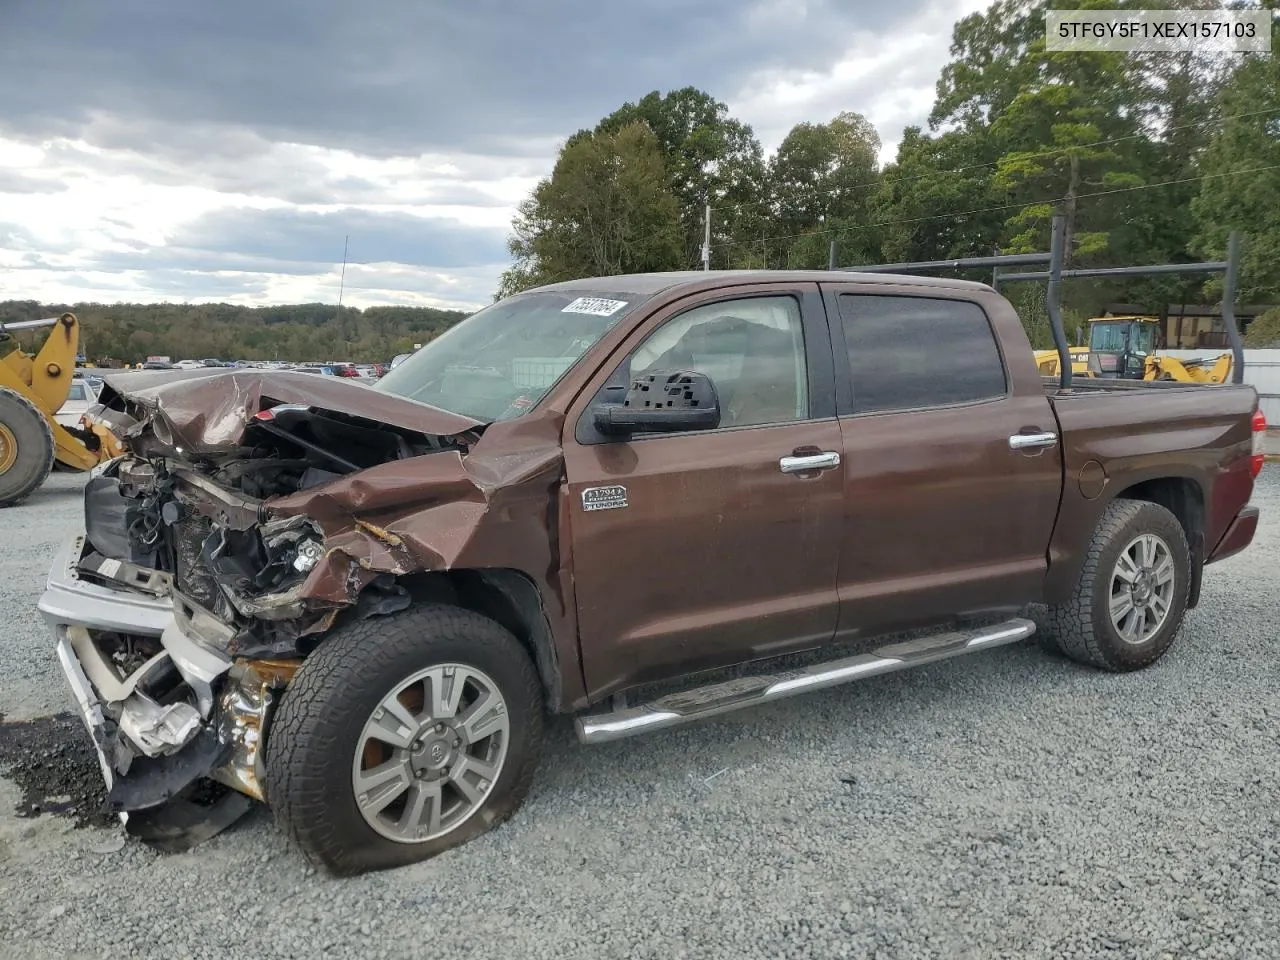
<point x="640" y="500"/>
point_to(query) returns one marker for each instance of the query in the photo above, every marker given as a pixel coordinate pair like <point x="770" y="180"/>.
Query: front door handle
<point x="1024" y="441"/>
<point x="809" y="462"/>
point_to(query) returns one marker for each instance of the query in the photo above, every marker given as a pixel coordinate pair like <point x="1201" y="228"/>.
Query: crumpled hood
<point x="493" y="500"/>
<point x="207" y="410"/>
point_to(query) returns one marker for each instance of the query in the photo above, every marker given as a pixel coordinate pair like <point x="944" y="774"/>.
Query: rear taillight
<point x="1259" y="442"/>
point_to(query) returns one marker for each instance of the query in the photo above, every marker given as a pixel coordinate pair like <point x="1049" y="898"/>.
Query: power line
<point x="1006" y="206"/>
<point x="737" y="207"/>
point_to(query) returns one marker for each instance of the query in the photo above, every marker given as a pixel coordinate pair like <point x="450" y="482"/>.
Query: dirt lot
<point x="1007" y="804"/>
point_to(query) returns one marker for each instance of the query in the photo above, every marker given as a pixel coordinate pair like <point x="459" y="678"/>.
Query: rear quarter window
<point x="911" y="352"/>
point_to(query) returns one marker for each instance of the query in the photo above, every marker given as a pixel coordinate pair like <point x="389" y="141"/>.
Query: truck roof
<point x="647" y="284"/>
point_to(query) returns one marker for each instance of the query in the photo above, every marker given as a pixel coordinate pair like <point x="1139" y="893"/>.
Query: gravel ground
<point x="1004" y="805"/>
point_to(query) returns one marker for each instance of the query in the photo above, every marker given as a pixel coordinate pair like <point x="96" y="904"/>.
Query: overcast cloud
<point x="186" y="150"/>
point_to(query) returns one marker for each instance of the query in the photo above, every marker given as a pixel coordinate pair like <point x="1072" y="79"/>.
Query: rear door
<point x="705" y="548"/>
<point x="952" y="466"/>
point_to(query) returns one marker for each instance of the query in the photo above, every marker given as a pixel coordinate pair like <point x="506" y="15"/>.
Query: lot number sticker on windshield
<point x="595" y="306"/>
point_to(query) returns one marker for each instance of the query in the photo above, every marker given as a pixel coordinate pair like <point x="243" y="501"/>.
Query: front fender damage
<point x="261" y="576"/>
<point x="434" y="513"/>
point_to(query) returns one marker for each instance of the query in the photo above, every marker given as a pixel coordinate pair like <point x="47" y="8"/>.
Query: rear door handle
<point x="1024" y="441"/>
<point x="809" y="462"/>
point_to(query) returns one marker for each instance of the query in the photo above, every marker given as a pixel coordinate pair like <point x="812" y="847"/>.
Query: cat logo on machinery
<point x="604" y="498"/>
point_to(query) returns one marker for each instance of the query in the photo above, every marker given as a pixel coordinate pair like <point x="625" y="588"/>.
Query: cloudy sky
<point x="194" y="150"/>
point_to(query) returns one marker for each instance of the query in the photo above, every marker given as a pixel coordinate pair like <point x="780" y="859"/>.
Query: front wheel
<point x="1132" y="593"/>
<point x="403" y="736"/>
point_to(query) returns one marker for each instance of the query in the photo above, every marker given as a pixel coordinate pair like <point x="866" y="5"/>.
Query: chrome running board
<point x="677" y="708"/>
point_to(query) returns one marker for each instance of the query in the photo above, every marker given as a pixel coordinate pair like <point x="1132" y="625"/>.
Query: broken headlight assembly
<point x="265" y="559"/>
<point x="306" y="555"/>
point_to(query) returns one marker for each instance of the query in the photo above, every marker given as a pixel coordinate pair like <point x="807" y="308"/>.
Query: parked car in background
<point x="90" y="377"/>
<point x="80" y="398"/>
<point x="324" y="370"/>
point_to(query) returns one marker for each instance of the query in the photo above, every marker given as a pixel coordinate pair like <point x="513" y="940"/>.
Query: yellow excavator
<point x="32" y="388"/>
<point x="1125" y="348"/>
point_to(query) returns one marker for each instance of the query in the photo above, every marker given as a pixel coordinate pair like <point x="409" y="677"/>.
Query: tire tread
<point x="1070" y="626"/>
<point x="308" y="724"/>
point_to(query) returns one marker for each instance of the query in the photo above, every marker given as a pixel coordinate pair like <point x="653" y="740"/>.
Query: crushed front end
<point x="183" y="611"/>
<point x="175" y="681"/>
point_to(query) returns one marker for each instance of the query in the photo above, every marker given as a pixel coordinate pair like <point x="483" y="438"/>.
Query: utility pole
<point x="706" y="238"/>
<point x="342" y="278"/>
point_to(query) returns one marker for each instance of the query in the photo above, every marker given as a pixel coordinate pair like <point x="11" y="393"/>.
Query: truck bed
<point x="1194" y="441"/>
<point x="1091" y="386"/>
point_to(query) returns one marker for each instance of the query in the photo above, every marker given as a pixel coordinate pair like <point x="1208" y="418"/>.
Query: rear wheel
<point x="1131" y="597"/>
<point x="403" y="736"/>
<point x="26" y="447"/>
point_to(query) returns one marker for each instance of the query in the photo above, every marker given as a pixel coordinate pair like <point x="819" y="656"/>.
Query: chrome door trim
<point x="1023" y="441"/>
<point x="814" y="461"/>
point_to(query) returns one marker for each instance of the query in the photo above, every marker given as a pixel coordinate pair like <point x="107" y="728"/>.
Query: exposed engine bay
<point x="252" y="513"/>
<point x="205" y="521"/>
<point x="195" y="529"/>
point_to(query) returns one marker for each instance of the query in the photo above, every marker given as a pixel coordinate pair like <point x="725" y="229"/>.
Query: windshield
<point x="1142" y="339"/>
<point x="497" y="364"/>
<point x="1111" y="337"/>
<point x="1107" y="337"/>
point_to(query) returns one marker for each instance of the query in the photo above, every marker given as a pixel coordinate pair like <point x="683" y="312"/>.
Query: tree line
<point x="1150" y="157"/>
<point x="130" y="332"/>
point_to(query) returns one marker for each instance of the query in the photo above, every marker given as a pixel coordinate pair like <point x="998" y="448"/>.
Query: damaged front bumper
<point x="176" y="710"/>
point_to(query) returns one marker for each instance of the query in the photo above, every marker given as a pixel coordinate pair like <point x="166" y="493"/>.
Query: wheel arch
<point x="1184" y="498"/>
<point x="508" y="597"/>
<point x="1181" y="494"/>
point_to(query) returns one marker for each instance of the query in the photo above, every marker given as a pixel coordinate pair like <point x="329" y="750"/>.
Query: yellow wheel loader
<point x="32" y="388"/>
<point x="1125" y="348"/>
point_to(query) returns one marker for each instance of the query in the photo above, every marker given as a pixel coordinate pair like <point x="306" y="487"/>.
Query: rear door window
<point x="906" y="353"/>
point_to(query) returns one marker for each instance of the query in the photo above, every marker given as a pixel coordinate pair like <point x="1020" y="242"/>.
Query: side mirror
<point x="662" y="402"/>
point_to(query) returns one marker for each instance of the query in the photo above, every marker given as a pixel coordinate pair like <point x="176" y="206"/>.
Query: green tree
<point x="1264" y="331"/>
<point x="1236" y="193"/>
<point x="1018" y="134"/>
<point x="130" y="332"/>
<point x="710" y="158"/>
<point x="937" y="197"/>
<point x="606" y="209"/>
<point x="929" y="195"/>
<point x="824" y="177"/>
<point x="988" y="68"/>
<point x="1070" y="129"/>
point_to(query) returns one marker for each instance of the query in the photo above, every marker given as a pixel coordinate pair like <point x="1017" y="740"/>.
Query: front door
<point x="700" y="549"/>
